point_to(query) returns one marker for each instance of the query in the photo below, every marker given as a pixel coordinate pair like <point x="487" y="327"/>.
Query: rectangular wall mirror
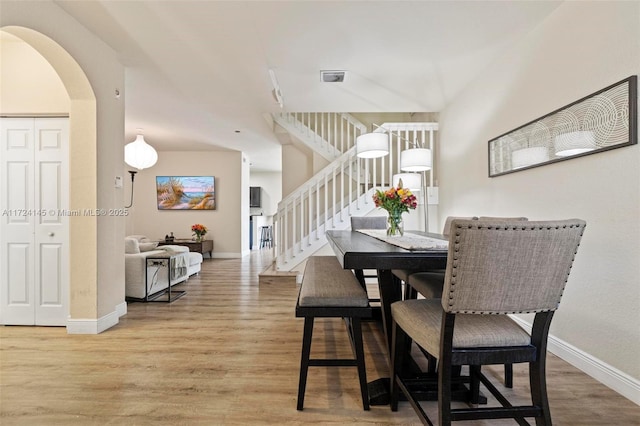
<point x="604" y="120"/>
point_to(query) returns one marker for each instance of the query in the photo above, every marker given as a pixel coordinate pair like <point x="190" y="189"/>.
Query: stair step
<point x="272" y="276"/>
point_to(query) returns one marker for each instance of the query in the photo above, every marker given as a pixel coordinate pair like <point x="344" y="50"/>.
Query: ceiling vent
<point x="332" y="76"/>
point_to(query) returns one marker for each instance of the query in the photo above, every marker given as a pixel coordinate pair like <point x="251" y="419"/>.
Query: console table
<point x="202" y="247"/>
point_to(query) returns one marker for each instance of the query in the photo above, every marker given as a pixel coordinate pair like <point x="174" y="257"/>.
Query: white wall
<point x="225" y="223"/>
<point x="28" y="83"/>
<point x="297" y="168"/>
<point x="581" y="48"/>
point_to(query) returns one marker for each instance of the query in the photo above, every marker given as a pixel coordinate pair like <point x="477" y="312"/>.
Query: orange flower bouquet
<point x="395" y="201"/>
<point x="199" y="231"/>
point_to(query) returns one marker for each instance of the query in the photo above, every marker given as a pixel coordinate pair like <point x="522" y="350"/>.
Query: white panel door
<point x="51" y="224"/>
<point x="17" y="297"/>
<point x="34" y="258"/>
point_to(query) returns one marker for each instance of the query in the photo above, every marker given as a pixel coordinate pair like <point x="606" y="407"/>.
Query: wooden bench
<point x="329" y="291"/>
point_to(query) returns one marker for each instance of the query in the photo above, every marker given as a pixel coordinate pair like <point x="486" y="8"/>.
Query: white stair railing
<point x="342" y="189"/>
<point x="326" y="201"/>
<point x="330" y="134"/>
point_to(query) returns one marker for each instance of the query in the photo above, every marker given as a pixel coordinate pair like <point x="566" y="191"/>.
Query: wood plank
<point x="228" y="352"/>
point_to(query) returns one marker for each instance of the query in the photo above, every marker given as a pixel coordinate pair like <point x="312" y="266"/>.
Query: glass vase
<point x="395" y="225"/>
<point x="198" y="238"/>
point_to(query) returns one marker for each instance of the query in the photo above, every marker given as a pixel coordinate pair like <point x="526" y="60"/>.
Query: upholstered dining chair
<point x="430" y="283"/>
<point x="508" y="368"/>
<point x="367" y="222"/>
<point x="494" y="268"/>
<point x="427" y="283"/>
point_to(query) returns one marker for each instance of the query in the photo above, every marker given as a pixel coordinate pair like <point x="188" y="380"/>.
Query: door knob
<point x="51" y="234"/>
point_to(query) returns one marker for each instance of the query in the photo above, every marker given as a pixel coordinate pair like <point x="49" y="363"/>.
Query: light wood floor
<point x="228" y="354"/>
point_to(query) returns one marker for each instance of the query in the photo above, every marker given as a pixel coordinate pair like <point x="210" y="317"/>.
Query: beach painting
<point x="186" y="192"/>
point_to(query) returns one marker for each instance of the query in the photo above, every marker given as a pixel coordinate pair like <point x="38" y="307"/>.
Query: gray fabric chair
<point x="367" y="222"/>
<point x="494" y="268"/>
<point x="427" y="283"/>
<point x="430" y="284"/>
<point x="508" y="368"/>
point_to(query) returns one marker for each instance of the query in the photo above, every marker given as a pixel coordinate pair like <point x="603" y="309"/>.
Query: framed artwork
<point x="185" y="192"/>
<point x="604" y="120"/>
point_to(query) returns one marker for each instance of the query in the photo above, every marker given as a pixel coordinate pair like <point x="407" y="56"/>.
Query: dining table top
<point x="356" y="250"/>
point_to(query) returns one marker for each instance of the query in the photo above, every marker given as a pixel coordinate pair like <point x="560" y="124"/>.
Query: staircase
<point x="343" y="188"/>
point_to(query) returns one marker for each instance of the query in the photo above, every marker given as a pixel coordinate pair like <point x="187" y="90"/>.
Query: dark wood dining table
<point x="356" y="250"/>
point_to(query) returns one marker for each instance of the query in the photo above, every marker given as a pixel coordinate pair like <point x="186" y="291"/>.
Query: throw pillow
<point x="147" y="246"/>
<point x="131" y="246"/>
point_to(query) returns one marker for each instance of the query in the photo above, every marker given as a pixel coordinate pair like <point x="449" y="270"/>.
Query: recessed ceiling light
<point x="334" y="76"/>
<point x="237" y="131"/>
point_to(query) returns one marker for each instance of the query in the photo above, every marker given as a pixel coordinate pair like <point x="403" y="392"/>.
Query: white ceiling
<point x="197" y="71"/>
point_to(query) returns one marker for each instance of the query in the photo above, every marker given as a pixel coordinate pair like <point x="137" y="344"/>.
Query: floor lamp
<point x="418" y="160"/>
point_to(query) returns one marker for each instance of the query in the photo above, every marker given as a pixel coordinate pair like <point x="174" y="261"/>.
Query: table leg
<point x="389" y="288"/>
<point x="390" y="291"/>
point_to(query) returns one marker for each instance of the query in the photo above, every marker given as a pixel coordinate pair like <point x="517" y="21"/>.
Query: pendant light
<point x="139" y="153"/>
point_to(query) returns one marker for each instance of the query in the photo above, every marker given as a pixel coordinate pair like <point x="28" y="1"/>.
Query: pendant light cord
<point x="133" y="176"/>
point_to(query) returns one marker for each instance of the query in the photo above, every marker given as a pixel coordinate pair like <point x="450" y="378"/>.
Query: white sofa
<point x="137" y="249"/>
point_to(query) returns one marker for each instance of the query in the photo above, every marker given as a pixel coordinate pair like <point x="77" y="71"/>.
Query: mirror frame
<point x="601" y="121"/>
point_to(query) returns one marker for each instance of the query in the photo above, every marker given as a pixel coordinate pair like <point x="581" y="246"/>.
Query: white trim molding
<point x="609" y="376"/>
<point x="121" y="309"/>
<point x="230" y="255"/>
<point x="96" y="326"/>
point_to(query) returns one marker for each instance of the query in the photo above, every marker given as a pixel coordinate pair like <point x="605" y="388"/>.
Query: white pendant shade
<point x="415" y="160"/>
<point x="140" y="154"/>
<point x="372" y="145"/>
<point x="529" y="156"/>
<point x="411" y="181"/>
<point x="574" y="143"/>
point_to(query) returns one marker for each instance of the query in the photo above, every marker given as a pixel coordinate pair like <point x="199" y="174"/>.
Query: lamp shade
<point x="140" y="154"/>
<point x="529" y="156"/>
<point x="573" y="143"/>
<point x="372" y="145"/>
<point x="415" y="160"/>
<point x="412" y="181"/>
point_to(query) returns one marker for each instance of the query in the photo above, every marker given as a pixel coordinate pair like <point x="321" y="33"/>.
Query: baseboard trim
<point x="609" y="376"/>
<point x="94" y="326"/>
<point x="219" y="255"/>
<point x="121" y="309"/>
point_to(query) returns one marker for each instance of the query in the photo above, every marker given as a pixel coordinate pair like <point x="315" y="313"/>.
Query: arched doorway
<point x="82" y="170"/>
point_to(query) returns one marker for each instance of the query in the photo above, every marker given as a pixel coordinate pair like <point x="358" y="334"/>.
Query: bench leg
<point x="362" y="371"/>
<point x="304" y="360"/>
